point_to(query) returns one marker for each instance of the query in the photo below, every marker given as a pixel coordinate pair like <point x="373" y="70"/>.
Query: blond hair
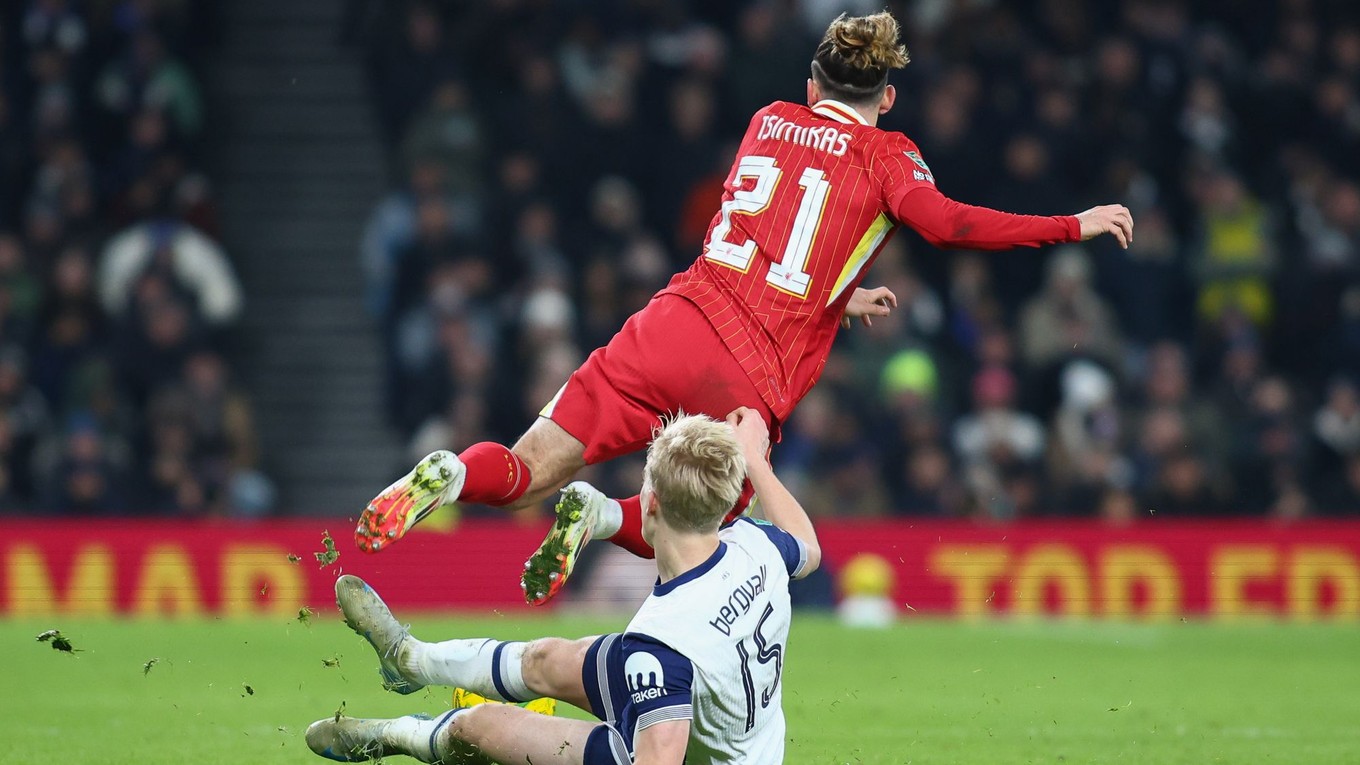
<point x="696" y="470"/>
<point x="855" y="55"/>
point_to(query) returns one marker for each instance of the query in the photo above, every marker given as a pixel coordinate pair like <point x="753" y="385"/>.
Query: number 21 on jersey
<point x="787" y="275"/>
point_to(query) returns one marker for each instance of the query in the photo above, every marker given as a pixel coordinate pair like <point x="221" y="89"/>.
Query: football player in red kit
<point x="815" y="193"/>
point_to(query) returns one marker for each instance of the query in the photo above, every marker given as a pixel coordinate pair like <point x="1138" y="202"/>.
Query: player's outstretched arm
<point x="662" y="744"/>
<point x="776" y="502"/>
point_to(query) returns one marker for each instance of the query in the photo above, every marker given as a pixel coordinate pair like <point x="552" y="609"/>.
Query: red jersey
<point x="814" y="195"/>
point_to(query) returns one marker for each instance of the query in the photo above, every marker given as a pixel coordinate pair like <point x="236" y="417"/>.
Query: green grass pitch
<point x="924" y="692"/>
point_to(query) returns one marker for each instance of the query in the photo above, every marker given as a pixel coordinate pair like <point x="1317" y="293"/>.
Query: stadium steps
<point x="299" y="166"/>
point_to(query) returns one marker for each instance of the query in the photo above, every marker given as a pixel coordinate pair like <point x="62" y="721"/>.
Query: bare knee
<point x="470" y="726"/>
<point x="552" y="666"/>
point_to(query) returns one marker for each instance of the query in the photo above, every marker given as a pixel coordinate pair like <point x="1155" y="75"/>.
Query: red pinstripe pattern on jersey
<point x="782" y="340"/>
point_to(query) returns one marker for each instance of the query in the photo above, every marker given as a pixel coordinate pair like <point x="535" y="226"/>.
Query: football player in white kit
<point x="695" y="678"/>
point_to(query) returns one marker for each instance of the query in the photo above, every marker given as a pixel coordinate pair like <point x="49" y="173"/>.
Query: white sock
<point x="481" y="665"/>
<point x="609" y="520"/>
<point x="416" y="736"/>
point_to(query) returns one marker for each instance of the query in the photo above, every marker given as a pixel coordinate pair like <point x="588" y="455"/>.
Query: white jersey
<point x="709" y="646"/>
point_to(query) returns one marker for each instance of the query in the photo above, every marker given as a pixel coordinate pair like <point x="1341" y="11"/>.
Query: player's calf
<point x="484" y="666"/>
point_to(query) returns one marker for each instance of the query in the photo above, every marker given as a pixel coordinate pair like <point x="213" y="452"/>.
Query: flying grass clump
<point x="330" y="554"/>
<point x="59" y="641"/>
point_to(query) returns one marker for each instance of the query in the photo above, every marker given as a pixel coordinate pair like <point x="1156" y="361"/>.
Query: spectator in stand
<point x="155" y="339"/>
<point x="1336" y="431"/>
<point x="1001" y="446"/>
<point x="173" y="478"/>
<point x="457" y="366"/>
<point x="536" y="245"/>
<point x="1269" y="463"/>
<point x="1146" y="283"/>
<point x="1026" y="186"/>
<point x="25" y="417"/>
<point x="1341" y="494"/>
<point x="181" y="256"/>
<point x="765" y="59"/>
<point x="692" y="146"/>
<point x="1167" y="385"/>
<point x="392" y="227"/>
<point x="147" y="76"/>
<point x="1068" y="319"/>
<point x="85" y="477"/>
<point x="407" y="69"/>
<point x="221" y="451"/>
<point x="20" y="289"/>
<point x="1182" y="489"/>
<point x="1233" y="256"/>
<point x="448" y="134"/>
<point x="1084" y="459"/>
<point x="972" y="305"/>
<point x="616" y="221"/>
<point x="73" y="328"/>
<point x="1240" y="369"/>
<point x="929" y="486"/>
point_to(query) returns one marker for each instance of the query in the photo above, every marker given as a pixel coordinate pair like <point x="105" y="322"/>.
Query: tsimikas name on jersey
<point x="739" y="602"/>
<point x="823" y="137"/>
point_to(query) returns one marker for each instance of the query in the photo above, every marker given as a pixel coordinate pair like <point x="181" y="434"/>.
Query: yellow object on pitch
<point x="464" y="698"/>
<point x="867" y="575"/>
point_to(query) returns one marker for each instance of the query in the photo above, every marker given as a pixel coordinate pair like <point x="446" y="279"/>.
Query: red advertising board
<point x="1155" y="570"/>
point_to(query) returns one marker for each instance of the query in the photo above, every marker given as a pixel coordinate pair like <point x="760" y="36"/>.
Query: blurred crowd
<point x="554" y="163"/>
<point x="116" y="298"/>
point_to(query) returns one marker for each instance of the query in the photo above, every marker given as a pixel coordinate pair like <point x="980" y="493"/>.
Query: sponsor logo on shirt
<point x="645" y="678"/>
<point x="739" y="602"/>
<point x="916" y="157"/>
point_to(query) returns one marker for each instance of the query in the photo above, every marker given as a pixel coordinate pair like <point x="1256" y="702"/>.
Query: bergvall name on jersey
<point x="739" y="602"/>
<point x="823" y="137"/>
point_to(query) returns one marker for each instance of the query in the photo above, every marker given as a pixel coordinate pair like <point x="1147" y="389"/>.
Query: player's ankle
<point x="410" y="660"/>
<point x="608" y="519"/>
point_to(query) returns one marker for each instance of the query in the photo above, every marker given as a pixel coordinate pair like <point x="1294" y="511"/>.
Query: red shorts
<point x="667" y="358"/>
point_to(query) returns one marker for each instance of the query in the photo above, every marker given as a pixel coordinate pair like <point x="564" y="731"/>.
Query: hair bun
<point x="868" y="42"/>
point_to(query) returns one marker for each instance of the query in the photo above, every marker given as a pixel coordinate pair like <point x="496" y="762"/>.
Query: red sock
<point x="629" y="535"/>
<point x="495" y="475"/>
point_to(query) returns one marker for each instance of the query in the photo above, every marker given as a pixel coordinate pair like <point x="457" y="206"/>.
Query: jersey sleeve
<point x="791" y="549"/>
<point x="910" y="198"/>
<point x="660" y="681"/>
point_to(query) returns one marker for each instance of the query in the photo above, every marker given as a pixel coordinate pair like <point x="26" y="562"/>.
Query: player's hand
<point x="753" y="434"/>
<point x="866" y="304"/>
<point x="1107" y="219"/>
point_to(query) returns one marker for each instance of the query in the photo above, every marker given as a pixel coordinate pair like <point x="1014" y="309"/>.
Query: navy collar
<point x="694" y="573"/>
